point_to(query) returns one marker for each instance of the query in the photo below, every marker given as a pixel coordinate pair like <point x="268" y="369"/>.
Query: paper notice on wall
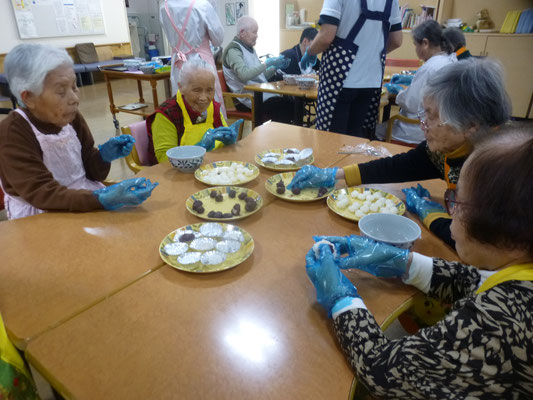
<point x="73" y="22"/>
<point x="98" y="23"/>
<point x="21" y="5"/>
<point x="61" y="25"/>
<point x="26" y="24"/>
<point x="59" y="11"/>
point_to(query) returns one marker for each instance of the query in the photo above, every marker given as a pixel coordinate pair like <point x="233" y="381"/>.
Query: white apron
<point x="236" y="86"/>
<point x="62" y="157"/>
<point x="179" y="57"/>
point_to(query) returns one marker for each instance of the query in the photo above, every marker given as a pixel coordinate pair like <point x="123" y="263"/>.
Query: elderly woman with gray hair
<point x="48" y="161"/>
<point x="192" y="116"/>
<point x="460" y="103"/>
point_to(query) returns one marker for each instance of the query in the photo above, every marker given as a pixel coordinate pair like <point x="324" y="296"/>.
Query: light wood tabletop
<point x="101" y="316"/>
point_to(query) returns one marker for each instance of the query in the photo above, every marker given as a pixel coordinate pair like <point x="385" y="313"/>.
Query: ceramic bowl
<point x="186" y="159"/>
<point x="305" y="83"/>
<point x="391" y="229"/>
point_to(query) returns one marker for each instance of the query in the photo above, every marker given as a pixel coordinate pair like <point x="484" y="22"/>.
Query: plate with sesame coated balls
<point x="206" y="247"/>
<point x="226" y="173"/>
<point x="224" y="203"/>
<point x="283" y="160"/>
<point x="277" y="185"/>
<point x="354" y="203"/>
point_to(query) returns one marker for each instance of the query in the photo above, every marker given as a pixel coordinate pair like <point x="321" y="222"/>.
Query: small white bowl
<point x="186" y="159"/>
<point x="391" y="229"/>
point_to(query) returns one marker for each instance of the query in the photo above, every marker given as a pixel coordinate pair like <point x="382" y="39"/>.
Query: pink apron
<point x="62" y="157"/>
<point x="179" y="57"/>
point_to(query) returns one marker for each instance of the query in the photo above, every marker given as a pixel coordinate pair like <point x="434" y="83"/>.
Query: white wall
<point x="115" y="20"/>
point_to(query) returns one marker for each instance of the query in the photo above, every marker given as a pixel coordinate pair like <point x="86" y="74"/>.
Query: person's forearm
<point x="323" y="39"/>
<point x="339" y="174"/>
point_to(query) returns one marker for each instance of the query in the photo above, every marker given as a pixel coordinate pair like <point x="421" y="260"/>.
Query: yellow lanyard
<point x="520" y="272"/>
<point x="193" y="133"/>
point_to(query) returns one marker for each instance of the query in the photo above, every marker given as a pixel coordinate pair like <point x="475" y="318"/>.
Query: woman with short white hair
<point x="192" y="116"/>
<point x="48" y="161"/>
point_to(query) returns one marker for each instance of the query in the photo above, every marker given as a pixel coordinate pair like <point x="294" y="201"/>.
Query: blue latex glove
<point x="330" y="283"/>
<point x="276" y="62"/>
<point x="402" y="79"/>
<point x="224" y="134"/>
<point x="116" y="147"/>
<point x="393" y="88"/>
<point x="130" y="192"/>
<point x="310" y="176"/>
<point x="376" y="258"/>
<point x="307" y="60"/>
<point x="419" y="201"/>
<point x="285" y="64"/>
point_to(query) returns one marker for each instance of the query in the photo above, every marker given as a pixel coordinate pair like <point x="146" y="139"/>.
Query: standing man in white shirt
<point x="355" y="36"/>
<point x="189" y="26"/>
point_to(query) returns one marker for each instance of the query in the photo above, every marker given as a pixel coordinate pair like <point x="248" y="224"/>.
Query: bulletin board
<point x="53" y="18"/>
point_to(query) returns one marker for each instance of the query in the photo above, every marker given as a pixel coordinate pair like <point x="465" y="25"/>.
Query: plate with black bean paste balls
<point x="285" y="159"/>
<point x="355" y="202"/>
<point x="277" y="185"/>
<point x="226" y="173"/>
<point x="224" y="203"/>
<point x="206" y="247"/>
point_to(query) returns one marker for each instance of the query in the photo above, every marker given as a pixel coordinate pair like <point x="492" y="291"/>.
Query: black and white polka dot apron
<point x="336" y="63"/>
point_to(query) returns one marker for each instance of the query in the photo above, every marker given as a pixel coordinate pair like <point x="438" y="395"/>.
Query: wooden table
<point x="139" y="77"/>
<point x="102" y="317"/>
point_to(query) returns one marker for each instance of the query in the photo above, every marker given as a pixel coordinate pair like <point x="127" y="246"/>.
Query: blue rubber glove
<point x="130" y="192"/>
<point x="330" y="283"/>
<point x="208" y="140"/>
<point x="307" y="60"/>
<point x="228" y="135"/>
<point x="419" y="201"/>
<point x="376" y="258"/>
<point x="116" y="147"/>
<point x="402" y="79"/>
<point x="276" y="62"/>
<point x="310" y="176"/>
<point x="393" y="88"/>
<point x="285" y="64"/>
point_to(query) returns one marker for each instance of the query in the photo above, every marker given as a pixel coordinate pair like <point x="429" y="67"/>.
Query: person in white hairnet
<point x="189" y="26"/>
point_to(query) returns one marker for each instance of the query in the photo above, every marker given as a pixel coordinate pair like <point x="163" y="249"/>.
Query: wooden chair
<point x="138" y="158"/>
<point x="390" y="123"/>
<point x="233" y="113"/>
<point x="403" y="62"/>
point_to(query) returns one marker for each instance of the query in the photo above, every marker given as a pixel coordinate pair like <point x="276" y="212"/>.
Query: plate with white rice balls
<point x="226" y="173"/>
<point x="287" y="159"/>
<point x="206" y="247"/>
<point x="277" y="185"/>
<point x="354" y="203"/>
<point x="226" y="203"/>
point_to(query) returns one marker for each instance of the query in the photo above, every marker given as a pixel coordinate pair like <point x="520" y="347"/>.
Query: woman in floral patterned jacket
<point x="483" y="349"/>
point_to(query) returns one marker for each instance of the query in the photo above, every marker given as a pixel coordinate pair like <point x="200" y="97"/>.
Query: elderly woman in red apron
<point x="189" y="26"/>
<point x="356" y="37"/>
<point x="48" y="161"/>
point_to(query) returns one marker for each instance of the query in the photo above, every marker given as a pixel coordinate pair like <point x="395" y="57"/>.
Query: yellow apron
<point x="15" y="380"/>
<point x="193" y="133"/>
<point x="520" y="272"/>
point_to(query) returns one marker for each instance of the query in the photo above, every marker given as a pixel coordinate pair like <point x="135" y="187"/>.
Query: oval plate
<point x="281" y="168"/>
<point x="201" y="172"/>
<point x="306" y="195"/>
<point x="226" y="205"/>
<point x="232" y="260"/>
<point x="344" y="212"/>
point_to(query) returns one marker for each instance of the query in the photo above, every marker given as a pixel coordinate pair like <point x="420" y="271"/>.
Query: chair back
<point x="139" y="155"/>
<point x="399" y="62"/>
<point x="222" y="81"/>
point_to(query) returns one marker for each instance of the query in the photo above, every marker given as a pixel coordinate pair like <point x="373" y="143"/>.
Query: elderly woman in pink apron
<point x="189" y="26"/>
<point x="48" y="161"/>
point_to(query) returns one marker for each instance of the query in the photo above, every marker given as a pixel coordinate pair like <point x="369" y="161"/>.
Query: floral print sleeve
<point x="483" y="349"/>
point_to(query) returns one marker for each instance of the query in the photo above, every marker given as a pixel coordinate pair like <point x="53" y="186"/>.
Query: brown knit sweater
<point x="24" y="174"/>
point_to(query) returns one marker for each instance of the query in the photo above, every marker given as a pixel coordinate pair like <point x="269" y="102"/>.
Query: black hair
<point x="308" y="33"/>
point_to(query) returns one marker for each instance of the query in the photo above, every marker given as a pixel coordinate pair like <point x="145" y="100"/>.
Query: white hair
<point x="190" y="67"/>
<point x="245" y="23"/>
<point x="27" y="65"/>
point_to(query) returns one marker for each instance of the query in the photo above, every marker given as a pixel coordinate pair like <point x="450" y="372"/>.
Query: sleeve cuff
<point x="428" y="220"/>
<point x="346" y="304"/>
<point x="395" y="28"/>
<point x="329" y="20"/>
<point x="420" y="272"/>
<point x="352" y="175"/>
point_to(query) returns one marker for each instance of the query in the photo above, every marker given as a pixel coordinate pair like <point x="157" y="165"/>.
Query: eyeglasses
<point x="450" y="201"/>
<point x="422" y="117"/>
